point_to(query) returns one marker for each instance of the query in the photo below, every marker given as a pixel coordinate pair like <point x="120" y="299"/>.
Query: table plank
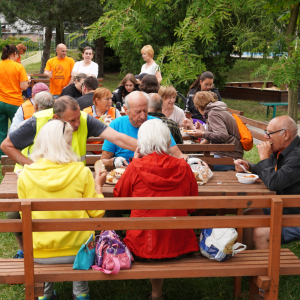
<point x="229" y="186"/>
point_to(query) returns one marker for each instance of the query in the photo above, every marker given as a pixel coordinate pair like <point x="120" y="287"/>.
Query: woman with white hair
<point x="154" y="173"/>
<point x="58" y="173"/>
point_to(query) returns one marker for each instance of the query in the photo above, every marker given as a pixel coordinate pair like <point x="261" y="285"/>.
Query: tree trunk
<point x="293" y="91"/>
<point x="46" y="48"/>
<point x="99" y="55"/>
<point x="58" y="35"/>
<point x="293" y="103"/>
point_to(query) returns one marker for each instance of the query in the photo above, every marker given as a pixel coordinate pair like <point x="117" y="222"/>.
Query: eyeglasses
<point x="268" y="134"/>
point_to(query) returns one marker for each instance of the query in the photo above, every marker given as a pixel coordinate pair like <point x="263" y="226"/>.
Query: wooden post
<point x="28" y="250"/>
<point x="237" y="285"/>
<point x="274" y="248"/>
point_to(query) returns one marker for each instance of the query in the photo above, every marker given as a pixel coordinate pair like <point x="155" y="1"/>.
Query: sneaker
<point x="82" y="297"/>
<point x="53" y="297"/>
<point x="20" y="254"/>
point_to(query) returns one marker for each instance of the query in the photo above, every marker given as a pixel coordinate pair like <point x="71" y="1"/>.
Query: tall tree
<point x="188" y="36"/>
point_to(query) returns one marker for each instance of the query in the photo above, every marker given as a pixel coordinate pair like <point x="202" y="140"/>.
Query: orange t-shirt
<point x="18" y="60"/>
<point x="61" y="73"/>
<point x="11" y="74"/>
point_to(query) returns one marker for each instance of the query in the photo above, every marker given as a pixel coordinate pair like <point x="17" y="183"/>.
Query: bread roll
<point x="99" y="167"/>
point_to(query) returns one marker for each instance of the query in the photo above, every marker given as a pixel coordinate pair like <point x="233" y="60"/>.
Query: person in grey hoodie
<point x="221" y="127"/>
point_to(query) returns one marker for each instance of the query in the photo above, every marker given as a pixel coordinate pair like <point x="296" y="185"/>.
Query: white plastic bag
<point x="218" y="243"/>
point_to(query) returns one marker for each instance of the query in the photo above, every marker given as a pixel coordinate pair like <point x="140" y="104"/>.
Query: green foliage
<point x="283" y="71"/>
<point x="12" y="40"/>
<point x="189" y="36"/>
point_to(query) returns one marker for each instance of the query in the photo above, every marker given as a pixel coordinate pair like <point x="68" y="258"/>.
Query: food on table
<point x="201" y="173"/>
<point x="249" y="176"/>
<point x="99" y="166"/>
<point x="115" y="175"/>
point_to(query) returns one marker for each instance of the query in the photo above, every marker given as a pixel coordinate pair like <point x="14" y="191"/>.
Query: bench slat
<point x="147" y="223"/>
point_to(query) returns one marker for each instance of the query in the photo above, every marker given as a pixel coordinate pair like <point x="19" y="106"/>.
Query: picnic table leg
<point x="274" y="111"/>
<point x="267" y="110"/>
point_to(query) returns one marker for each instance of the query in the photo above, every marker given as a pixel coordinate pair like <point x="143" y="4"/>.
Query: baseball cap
<point x="40" y="87"/>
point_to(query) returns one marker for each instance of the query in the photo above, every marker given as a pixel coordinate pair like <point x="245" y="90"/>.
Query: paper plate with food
<point x="114" y="175"/>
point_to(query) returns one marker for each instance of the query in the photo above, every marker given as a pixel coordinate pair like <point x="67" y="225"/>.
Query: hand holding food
<point x="120" y="162"/>
<point x="137" y="153"/>
<point x="187" y="123"/>
<point x="197" y="133"/>
<point x="100" y="176"/>
<point x="199" y="126"/>
<point x="264" y="150"/>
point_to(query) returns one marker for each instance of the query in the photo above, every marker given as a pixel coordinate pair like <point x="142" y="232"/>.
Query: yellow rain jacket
<point x="45" y="179"/>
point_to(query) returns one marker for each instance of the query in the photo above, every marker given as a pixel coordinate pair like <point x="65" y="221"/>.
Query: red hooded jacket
<point x="159" y="176"/>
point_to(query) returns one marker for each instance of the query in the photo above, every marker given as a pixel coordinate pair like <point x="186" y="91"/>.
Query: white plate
<point x="244" y="178"/>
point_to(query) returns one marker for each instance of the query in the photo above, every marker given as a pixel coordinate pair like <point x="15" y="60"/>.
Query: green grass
<point x="243" y="69"/>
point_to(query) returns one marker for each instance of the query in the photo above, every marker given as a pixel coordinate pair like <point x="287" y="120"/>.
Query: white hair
<point x="154" y="136"/>
<point x="54" y="145"/>
<point x="44" y="100"/>
<point x="127" y="98"/>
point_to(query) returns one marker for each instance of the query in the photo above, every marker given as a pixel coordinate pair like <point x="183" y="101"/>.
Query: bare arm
<point x="24" y="85"/>
<point x="158" y="76"/>
<point x="174" y="151"/>
<point x="120" y="139"/>
<point x="48" y="73"/>
<point x="8" y="148"/>
<point x="108" y="160"/>
<point x="204" y="142"/>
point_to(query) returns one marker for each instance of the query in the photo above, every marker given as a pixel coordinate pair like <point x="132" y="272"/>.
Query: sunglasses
<point x="268" y="134"/>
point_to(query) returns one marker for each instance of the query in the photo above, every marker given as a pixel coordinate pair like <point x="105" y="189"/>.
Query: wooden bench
<point x="263" y="267"/>
<point x="274" y="105"/>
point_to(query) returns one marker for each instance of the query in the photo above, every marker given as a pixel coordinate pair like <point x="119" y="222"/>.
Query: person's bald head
<point x="61" y="51"/>
<point x="155" y="103"/>
<point x="286" y="129"/>
<point x="285" y="122"/>
<point x="136" y="107"/>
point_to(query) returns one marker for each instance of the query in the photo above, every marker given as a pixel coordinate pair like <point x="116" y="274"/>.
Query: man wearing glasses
<point x="279" y="169"/>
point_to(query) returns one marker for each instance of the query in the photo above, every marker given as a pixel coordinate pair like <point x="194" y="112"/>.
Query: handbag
<point x="218" y="243"/>
<point x="86" y="255"/>
<point x="112" y="255"/>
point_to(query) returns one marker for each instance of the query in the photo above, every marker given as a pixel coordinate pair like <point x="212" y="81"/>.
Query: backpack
<point x="246" y="138"/>
<point x="111" y="253"/>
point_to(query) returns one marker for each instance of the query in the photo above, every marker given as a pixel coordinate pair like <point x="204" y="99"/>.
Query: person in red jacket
<point x="154" y="173"/>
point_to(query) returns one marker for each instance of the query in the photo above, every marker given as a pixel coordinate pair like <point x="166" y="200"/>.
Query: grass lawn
<point x="181" y="289"/>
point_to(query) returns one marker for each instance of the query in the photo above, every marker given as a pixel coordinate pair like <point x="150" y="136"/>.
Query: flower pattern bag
<point x="112" y="255"/>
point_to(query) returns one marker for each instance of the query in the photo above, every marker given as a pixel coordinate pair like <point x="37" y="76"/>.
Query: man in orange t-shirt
<point x="59" y="69"/>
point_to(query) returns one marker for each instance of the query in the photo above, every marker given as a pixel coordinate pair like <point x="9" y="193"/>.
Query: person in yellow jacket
<point x="56" y="172"/>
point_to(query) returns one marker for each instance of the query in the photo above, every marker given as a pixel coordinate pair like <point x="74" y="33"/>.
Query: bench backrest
<point x="27" y="225"/>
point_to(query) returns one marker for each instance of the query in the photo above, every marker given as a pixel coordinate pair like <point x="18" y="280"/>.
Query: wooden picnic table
<point x="221" y="184"/>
